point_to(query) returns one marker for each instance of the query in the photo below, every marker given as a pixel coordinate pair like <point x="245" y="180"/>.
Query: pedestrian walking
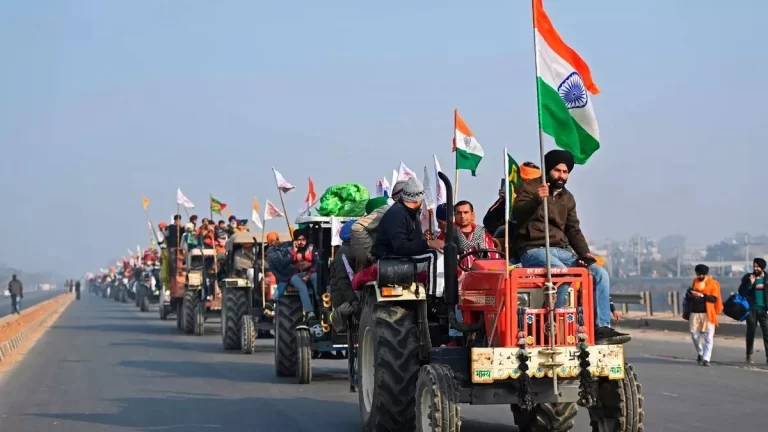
<point x="706" y="304"/>
<point x="753" y="288"/>
<point x="16" y="289"/>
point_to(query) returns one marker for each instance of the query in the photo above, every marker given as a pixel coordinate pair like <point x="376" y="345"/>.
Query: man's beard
<point x="557" y="183"/>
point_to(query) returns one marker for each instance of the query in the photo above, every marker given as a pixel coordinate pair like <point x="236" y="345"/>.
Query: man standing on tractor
<point x="343" y="299"/>
<point x="365" y="229"/>
<point x="292" y="263"/>
<point x="564" y="234"/>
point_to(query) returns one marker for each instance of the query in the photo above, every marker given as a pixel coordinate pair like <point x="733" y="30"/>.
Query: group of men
<point x="392" y="227"/>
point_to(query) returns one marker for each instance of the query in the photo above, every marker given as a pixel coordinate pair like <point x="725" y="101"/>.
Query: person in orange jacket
<point x="706" y="304"/>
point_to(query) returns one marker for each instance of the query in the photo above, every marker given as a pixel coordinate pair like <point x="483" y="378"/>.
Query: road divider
<point x="16" y="329"/>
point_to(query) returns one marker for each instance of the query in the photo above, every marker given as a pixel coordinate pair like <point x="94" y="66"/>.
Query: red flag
<point x="311" y="195"/>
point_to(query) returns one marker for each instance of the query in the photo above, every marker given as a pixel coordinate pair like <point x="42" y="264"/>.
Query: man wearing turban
<point x="564" y="234"/>
<point x="706" y="304"/>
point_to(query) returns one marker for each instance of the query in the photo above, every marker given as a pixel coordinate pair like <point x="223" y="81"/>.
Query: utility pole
<point x="637" y="254"/>
<point x="679" y="259"/>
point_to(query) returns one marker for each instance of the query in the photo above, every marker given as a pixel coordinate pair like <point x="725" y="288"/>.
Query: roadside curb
<point x="9" y="346"/>
<point x="726" y="327"/>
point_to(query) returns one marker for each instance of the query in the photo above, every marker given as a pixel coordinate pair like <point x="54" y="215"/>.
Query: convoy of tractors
<point x="515" y="350"/>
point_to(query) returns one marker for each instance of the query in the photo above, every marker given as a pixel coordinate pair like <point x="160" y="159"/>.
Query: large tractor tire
<point x="619" y="405"/>
<point x="137" y="296"/>
<point x="288" y="314"/>
<point x="247" y="335"/>
<point x="546" y="417"/>
<point x="199" y="319"/>
<point x="124" y="295"/>
<point x="163" y="310"/>
<point x="143" y="299"/>
<point x="235" y="306"/>
<point x="189" y="307"/>
<point x="303" y="356"/>
<point x="179" y="313"/>
<point x="437" y="400"/>
<point x="388" y="359"/>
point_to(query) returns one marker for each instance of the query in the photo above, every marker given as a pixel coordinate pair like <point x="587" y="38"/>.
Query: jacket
<point x="341" y="284"/>
<point x="711" y="289"/>
<point x="15" y="287"/>
<point x="280" y="261"/>
<point x="564" y="226"/>
<point x="747" y="289"/>
<point x="399" y="233"/>
<point x="363" y="235"/>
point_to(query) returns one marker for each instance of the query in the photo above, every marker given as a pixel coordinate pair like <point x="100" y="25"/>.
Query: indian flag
<point x="564" y="86"/>
<point x="468" y="150"/>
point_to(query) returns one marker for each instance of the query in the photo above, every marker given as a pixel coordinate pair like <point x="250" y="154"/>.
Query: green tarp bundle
<point x="344" y="200"/>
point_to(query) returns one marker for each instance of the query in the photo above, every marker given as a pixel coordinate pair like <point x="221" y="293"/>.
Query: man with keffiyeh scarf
<point x="470" y="236"/>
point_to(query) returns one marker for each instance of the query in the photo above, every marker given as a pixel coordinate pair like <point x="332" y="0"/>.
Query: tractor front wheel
<point x="619" y="406"/>
<point x="437" y="400"/>
<point x="546" y="417"/>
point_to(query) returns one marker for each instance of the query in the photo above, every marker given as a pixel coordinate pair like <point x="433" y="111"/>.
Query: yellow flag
<point x="229" y="213"/>
<point x="145" y="202"/>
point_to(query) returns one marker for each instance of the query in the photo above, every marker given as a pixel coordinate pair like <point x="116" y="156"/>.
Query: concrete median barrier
<point x="15" y="330"/>
<point x="670" y="323"/>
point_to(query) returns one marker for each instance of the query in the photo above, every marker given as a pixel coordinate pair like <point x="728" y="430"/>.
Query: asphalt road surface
<point x="30" y="299"/>
<point x="105" y="366"/>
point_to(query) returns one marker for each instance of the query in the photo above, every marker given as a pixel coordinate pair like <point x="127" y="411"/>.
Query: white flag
<point x="394" y="178"/>
<point x="386" y="188"/>
<point x="181" y="199"/>
<point x="440" y="189"/>
<point x="271" y="212"/>
<point x="379" y="188"/>
<point x="335" y="231"/>
<point x="405" y="173"/>
<point x="283" y="185"/>
<point x="255" y="214"/>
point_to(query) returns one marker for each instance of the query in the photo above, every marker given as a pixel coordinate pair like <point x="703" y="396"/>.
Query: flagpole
<point x="263" y="264"/>
<point x="210" y="206"/>
<point x="544" y="174"/>
<point x="285" y="212"/>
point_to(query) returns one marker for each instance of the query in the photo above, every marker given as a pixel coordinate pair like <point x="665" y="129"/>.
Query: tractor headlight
<point x="524" y="299"/>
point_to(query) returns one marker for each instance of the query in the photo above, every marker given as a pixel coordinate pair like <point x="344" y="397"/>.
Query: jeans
<point x="754" y="318"/>
<point x="299" y="284"/>
<point x="15" y="304"/>
<point x="561" y="258"/>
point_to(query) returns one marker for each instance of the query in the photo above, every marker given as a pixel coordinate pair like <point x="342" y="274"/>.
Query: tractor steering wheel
<point x="478" y="252"/>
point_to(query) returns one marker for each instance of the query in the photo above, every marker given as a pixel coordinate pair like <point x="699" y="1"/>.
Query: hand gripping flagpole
<point x="549" y="287"/>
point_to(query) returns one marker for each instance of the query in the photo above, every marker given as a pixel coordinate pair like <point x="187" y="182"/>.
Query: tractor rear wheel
<point x="619" y="405"/>
<point x="189" y="307"/>
<point x="388" y="362"/>
<point x="303" y="356"/>
<point x="546" y="417"/>
<point x="288" y="314"/>
<point x="247" y="335"/>
<point x="437" y="400"/>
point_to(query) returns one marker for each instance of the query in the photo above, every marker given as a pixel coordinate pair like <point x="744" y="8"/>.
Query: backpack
<point x="736" y="307"/>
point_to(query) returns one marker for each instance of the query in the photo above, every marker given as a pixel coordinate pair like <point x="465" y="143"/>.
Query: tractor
<point x="541" y="361"/>
<point x="243" y="316"/>
<point x="202" y="297"/>
<point x="296" y="342"/>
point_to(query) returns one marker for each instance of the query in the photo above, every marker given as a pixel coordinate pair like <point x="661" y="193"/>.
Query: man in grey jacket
<point x="17" y="293"/>
<point x="364" y="231"/>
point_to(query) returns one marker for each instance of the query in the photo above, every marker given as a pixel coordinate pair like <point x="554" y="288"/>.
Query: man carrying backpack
<point x="753" y="288"/>
<point x="706" y="304"/>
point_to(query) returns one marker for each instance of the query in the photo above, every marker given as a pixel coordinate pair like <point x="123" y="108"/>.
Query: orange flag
<point x="145" y="203"/>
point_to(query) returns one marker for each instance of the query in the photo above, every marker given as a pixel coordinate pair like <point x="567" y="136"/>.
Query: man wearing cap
<point x="364" y="230"/>
<point x="706" y="304"/>
<point x="753" y="288"/>
<point x="232" y="227"/>
<point x="564" y="234"/>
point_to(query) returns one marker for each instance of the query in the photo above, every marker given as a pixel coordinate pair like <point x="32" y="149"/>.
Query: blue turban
<point x="441" y="213"/>
<point x="346" y="230"/>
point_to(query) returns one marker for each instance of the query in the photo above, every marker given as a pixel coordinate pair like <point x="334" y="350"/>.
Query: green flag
<point x="217" y="206"/>
<point x="513" y="176"/>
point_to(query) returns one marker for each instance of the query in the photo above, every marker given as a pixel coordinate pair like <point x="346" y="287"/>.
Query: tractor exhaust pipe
<point x="451" y="262"/>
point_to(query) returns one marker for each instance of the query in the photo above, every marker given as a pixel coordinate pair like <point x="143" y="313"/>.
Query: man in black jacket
<point x="400" y="232"/>
<point x="753" y="288"/>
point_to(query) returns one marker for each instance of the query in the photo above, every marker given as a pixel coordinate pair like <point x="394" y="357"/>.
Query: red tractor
<point x="515" y="350"/>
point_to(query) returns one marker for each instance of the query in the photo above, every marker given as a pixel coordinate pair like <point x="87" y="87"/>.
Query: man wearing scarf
<point x="292" y="263"/>
<point x="706" y="304"/>
<point x="470" y="236"/>
<point x="564" y="234"/>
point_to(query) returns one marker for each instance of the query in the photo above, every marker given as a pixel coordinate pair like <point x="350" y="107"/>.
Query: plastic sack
<point x="344" y="200"/>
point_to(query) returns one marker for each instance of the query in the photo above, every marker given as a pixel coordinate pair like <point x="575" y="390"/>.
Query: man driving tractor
<point x="564" y="234"/>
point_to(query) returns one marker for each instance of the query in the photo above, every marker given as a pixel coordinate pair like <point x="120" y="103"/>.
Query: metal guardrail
<point x="646" y="298"/>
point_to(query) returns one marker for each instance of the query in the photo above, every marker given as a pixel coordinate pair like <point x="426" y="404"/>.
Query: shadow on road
<point x="122" y="328"/>
<point x="195" y="345"/>
<point x="205" y="414"/>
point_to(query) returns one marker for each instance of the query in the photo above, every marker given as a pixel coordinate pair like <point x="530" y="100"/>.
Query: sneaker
<point x="609" y="336"/>
<point x="749" y="360"/>
<point x="705" y="363"/>
<point x="699" y="359"/>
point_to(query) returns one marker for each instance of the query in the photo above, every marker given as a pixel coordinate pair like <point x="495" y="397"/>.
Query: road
<point x="31" y="298"/>
<point x="105" y="366"/>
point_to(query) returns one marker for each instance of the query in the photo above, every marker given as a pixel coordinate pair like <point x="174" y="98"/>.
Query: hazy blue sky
<point x="103" y="102"/>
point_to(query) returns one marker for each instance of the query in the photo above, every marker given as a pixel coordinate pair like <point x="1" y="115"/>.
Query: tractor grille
<point x="536" y="327"/>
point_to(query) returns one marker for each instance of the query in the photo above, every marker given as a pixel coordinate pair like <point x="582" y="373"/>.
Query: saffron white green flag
<point x="468" y="150"/>
<point x="564" y="85"/>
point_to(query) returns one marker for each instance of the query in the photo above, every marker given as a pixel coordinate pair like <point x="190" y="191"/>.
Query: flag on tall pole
<point x="255" y="214"/>
<point x="183" y="200"/>
<point x="271" y="211"/>
<point x="405" y="173"/>
<point x="468" y="150"/>
<point x="564" y="84"/>
<point x="282" y="184"/>
<point x="311" y="195"/>
<point x="145" y="203"/>
<point x="513" y="178"/>
<point x="217" y="206"/>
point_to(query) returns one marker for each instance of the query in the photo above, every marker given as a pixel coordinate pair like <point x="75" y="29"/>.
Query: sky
<point x="103" y="103"/>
